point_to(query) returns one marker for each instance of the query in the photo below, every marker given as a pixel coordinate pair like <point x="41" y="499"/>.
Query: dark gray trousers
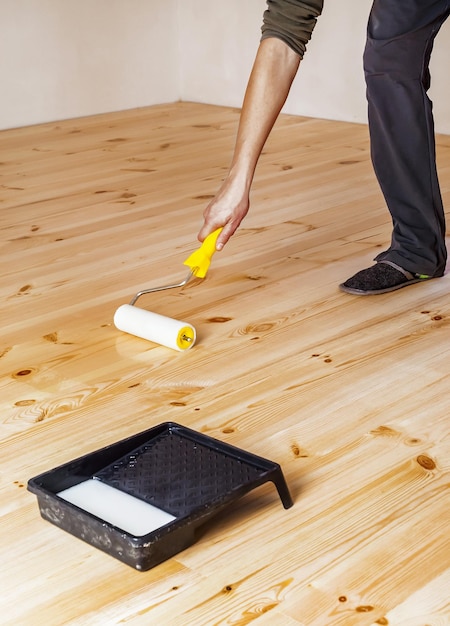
<point x="400" y="39"/>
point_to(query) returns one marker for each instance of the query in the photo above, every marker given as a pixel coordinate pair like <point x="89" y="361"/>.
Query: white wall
<point x="69" y="58"/>
<point x="332" y="75"/>
<point x="330" y="82"/>
<point x="218" y="42"/>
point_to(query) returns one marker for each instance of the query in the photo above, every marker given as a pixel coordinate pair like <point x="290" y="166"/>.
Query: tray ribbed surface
<point x="177" y="474"/>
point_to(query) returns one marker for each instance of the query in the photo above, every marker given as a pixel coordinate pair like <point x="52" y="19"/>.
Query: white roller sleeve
<point x="160" y="329"/>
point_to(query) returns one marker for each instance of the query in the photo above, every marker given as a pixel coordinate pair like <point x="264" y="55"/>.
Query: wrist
<point x="241" y="175"/>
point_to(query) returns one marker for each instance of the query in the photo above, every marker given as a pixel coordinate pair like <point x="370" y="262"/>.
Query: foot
<point x="383" y="277"/>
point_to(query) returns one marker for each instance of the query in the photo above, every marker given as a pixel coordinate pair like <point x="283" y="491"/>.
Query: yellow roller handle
<point x="200" y="260"/>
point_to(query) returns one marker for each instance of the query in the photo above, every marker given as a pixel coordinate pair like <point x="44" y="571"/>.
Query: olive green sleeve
<point x="292" y="21"/>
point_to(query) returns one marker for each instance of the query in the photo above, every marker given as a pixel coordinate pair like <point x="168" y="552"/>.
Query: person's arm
<point x="274" y="69"/>
<point x="287" y="27"/>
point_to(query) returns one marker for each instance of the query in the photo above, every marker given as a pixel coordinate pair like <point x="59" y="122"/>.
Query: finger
<point x="227" y="231"/>
<point x="206" y="230"/>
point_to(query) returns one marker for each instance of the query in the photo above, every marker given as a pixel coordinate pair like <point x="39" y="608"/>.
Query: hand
<point x="226" y="210"/>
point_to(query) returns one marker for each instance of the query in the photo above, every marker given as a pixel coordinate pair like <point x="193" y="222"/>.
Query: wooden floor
<point x="350" y="395"/>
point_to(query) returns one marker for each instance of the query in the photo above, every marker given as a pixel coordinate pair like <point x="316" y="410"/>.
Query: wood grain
<point x="349" y="395"/>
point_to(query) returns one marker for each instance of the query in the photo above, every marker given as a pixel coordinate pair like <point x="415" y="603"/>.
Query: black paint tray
<point x="182" y="472"/>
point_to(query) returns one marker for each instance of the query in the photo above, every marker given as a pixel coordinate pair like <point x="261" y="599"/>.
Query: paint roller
<point x="160" y="329"/>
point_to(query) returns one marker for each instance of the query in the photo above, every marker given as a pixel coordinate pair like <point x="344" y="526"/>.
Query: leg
<point x="396" y="59"/>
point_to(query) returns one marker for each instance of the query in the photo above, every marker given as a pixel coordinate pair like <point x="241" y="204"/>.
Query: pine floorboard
<point x="349" y="395"/>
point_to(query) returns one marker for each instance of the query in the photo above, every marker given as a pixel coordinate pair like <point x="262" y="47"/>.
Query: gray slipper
<point x="383" y="277"/>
